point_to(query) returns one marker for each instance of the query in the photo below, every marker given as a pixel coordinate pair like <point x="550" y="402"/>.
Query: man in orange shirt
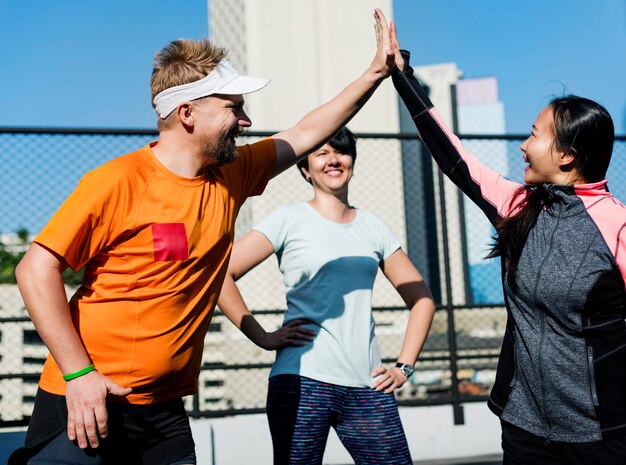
<point x="154" y="231"/>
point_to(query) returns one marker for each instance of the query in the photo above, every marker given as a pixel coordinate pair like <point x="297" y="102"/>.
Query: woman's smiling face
<point x="540" y="152"/>
<point x="329" y="169"/>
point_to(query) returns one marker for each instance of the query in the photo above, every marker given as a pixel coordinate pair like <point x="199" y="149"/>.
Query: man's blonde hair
<point x="180" y="62"/>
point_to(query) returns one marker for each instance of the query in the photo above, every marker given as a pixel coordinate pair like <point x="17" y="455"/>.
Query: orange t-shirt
<point x="156" y="248"/>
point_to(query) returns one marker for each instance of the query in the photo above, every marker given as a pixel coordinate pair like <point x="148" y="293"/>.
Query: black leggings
<point x="523" y="448"/>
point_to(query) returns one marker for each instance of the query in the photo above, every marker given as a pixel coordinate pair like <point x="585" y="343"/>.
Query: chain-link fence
<point x="444" y="235"/>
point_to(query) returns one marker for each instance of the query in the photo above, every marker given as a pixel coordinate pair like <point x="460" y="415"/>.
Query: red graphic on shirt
<point x="170" y="242"/>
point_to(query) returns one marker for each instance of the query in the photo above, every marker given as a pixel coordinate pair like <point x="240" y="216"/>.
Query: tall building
<point x="469" y="107"/>
<point x="310" y="49"/>
<point x="479" y="111"/>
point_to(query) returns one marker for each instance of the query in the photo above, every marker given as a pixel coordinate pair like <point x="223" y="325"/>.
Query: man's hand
<point x="319" y="125"/>
<point x="86" y="407"/>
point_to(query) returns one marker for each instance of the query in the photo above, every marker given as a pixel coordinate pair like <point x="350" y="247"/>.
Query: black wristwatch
<point x="405" y="368"/>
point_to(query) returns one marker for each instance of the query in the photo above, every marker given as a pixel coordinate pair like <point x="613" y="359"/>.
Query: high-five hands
<point x="384" y="60"/>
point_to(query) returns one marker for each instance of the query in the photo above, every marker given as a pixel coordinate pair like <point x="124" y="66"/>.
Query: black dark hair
<point x="582" y="128"/>
<point x="343" y="142"/>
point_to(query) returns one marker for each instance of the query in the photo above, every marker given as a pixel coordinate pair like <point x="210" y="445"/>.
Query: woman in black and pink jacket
<point x="560" y="389"/>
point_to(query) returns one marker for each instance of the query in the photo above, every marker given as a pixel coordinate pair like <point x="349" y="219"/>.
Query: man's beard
<point x="224" y="150"/>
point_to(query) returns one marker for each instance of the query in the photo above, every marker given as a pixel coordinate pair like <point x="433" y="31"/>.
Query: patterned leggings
<point x="301" y="411"/>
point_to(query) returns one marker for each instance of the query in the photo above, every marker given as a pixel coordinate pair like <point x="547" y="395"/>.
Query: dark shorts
<point x="154" y="434"/>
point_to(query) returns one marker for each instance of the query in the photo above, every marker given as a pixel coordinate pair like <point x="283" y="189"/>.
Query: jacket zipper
<point x="515" y="359"/>
<point x="542" y="318"/>
<point x="592" y="377"/>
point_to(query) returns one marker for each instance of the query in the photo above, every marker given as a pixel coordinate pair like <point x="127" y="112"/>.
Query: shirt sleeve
<point x="248" y="175"/>
<point x="275" y="227"/>
<point x="389" y="242"/>
<point x="84" y="223"/>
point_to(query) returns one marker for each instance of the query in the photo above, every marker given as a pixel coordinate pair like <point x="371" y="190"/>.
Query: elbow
<point x="425" y="304"/>
<point x="234" y="272"/>
<point x="431" y="305"/>
<point x="37" y="263"/>
<point x="22" y="271"/>
<point x="231" y="275"/>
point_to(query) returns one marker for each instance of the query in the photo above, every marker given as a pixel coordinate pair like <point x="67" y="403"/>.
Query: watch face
<point x="407" y="370"/>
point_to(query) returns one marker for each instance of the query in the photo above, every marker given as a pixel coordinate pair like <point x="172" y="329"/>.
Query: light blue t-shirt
<point x="329" y="271"/>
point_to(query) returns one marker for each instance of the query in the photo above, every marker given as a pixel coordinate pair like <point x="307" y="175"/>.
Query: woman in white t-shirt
<point x="328" y="370"/>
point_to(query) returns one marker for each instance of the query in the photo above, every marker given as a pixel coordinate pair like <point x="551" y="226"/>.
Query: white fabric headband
<point x="224" y="79"/>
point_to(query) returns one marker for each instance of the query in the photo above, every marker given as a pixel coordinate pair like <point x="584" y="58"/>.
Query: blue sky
<point x="77" y="63"/>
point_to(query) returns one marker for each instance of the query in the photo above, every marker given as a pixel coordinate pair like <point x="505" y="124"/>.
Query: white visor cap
<point x="224" y="79"/>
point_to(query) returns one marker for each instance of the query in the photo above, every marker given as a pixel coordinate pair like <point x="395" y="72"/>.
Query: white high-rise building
<point x="311" y="49"/>
<point x="479" y="111"/>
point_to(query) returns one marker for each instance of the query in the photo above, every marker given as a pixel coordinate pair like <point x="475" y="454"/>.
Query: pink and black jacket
<point x="562" y="368"/>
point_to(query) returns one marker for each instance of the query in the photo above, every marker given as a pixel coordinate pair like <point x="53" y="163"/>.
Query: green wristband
<point x="79" y="373"/>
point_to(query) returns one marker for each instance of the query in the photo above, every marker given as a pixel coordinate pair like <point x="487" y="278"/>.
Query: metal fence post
<point x="457" y="408"/>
